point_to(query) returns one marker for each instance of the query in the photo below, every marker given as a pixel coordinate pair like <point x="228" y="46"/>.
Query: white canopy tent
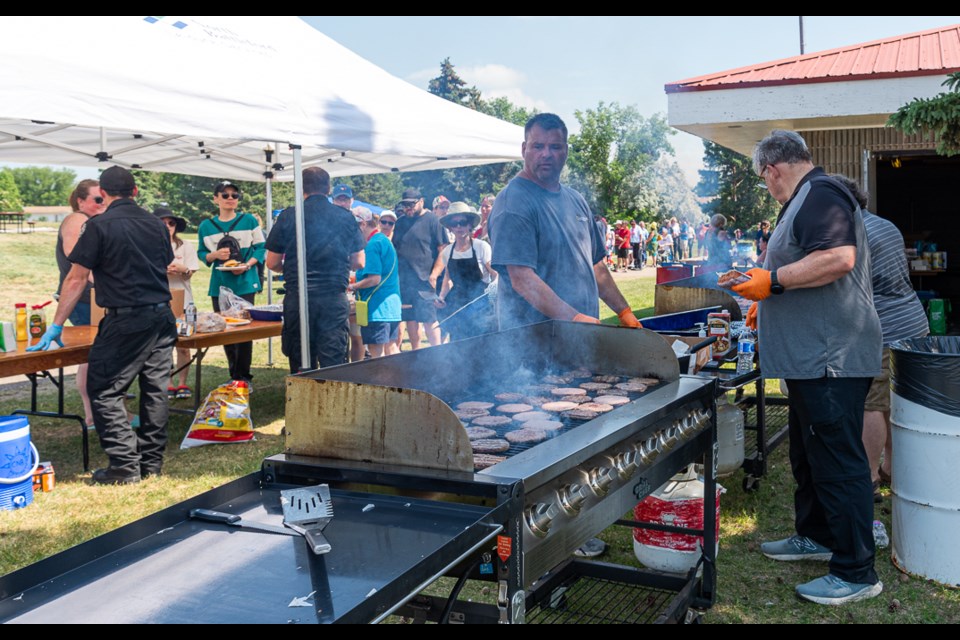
<point x="207" y="96"/>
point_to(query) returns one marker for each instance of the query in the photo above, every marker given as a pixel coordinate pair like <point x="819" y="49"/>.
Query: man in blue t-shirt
<point x="547" y="249"/>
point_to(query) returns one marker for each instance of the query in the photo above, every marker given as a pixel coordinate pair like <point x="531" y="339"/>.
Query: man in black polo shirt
<point x="335" y="247"/>
<point x="128" y="250"/>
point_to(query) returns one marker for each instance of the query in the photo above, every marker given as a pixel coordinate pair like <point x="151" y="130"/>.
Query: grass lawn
<point x="751" y="588"/>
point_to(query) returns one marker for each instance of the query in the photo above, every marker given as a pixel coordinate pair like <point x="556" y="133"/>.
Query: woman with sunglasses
<point x="466" y="276"/>
<point x="185" y="264"/>
<point x="86" y="202"/>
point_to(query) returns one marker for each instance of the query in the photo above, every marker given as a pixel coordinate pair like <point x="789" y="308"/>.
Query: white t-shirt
<point x="484" y="255"/>
<point x="186" y="255"/>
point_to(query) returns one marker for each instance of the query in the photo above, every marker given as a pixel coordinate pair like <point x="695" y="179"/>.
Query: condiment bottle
<point x="21" y="321"/>
<point x="38" y="320"/>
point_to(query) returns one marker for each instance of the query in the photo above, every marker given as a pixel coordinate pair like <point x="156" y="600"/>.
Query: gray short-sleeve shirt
<point x="553" y="233"/>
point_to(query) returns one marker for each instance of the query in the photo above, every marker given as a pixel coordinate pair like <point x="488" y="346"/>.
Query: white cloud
<point x="493" y="81"/>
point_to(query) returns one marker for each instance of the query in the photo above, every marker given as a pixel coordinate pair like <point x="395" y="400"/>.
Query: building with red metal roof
<point x="840" y="101"/>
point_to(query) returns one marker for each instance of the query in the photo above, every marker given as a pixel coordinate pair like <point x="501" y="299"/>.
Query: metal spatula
<point x="307" y="511"/>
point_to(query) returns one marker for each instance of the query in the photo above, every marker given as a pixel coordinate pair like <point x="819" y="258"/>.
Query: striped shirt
<point x="901" y="313"/>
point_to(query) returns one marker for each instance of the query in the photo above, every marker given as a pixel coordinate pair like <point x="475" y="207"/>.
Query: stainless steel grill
<point x="409" y="506"/>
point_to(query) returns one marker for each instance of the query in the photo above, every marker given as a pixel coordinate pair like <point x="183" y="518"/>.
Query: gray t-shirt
<point x="553" y="234"/>
<point x="827" y="331"/>
<point x="900" y="310"/>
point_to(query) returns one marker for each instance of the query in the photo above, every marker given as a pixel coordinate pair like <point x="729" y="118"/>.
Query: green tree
<point x="939" y="116"/>
<point x="10" y="200"/>
<point x="469" y="184"/>
<point x="611" y="159"/>
<point x="450" y="86"/>
<point x="44" y="186"/>
<point x="741" y="195"/>
<point x="675" y="197"/>
<point x="381" y="189"/>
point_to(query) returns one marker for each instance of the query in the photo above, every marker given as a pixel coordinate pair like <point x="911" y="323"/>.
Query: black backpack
<point x="228" y="240"/>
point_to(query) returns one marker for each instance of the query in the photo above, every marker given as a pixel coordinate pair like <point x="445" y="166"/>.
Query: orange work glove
<point x="751" y="320"/>
<point x="627" y="319"/>
<point x="580" y="317"/>
<point x="757" y="287"/>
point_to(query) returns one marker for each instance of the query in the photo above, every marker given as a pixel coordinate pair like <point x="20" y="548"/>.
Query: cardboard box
<point x="701" y="358"/>
<point x="44" y="478"/>
<point x="176" y="305"/>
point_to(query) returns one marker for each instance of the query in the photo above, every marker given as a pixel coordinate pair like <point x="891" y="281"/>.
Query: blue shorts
<point x="380" y="332"/>
<point x="80" y="316"/>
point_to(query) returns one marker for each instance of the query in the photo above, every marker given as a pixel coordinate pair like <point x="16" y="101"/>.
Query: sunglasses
<point x="460" y="223"/>
<point x="170" y="222"/>
<point x="389" y="223"/>
<point x="98" y="199"/>
<point x="407" y="205"/>
<point x="229" y="196"/>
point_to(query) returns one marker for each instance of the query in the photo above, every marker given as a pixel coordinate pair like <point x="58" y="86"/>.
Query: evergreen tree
<point x="741" y="195"/>
<point x="939" y="116"/>
<point x="450" y="86"/>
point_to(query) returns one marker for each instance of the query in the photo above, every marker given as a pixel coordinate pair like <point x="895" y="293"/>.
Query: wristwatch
<point x="775" y="287"/>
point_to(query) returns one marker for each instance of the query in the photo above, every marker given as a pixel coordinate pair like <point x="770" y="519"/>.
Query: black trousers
<point x="636" y="254"/>
<point x="239" y="356"/>
<point x="834" y="496"/>
<point x="329" y="331"/>
<point x="132" y="346"/>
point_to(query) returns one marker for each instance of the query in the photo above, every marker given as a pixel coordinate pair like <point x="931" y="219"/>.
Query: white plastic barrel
<point x="925" y="424"/>
<point x="729" y="439"/>
<point x="677" y="503"/>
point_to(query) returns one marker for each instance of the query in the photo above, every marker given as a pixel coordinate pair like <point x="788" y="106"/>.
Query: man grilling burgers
<point x="546" y="247"/>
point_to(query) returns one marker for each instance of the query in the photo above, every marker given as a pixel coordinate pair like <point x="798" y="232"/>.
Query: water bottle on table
<point x="746" y="350"/>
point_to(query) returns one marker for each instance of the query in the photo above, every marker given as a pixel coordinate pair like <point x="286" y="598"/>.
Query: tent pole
<point x="301" y="258"/>
<point x="268" y="175"/>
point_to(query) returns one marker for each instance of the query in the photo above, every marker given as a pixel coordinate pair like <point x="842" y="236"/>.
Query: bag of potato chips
<point x="224" y="417"/>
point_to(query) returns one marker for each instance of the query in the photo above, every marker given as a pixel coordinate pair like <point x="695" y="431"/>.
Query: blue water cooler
<point x="18" y="461"/>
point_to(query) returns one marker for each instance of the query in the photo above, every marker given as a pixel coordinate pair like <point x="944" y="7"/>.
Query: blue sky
<point x="562" y="64"/>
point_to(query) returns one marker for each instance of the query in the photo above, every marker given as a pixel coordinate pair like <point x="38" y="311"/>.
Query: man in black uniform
<point x="335" y="247"/>
<point x="128" y="250"/>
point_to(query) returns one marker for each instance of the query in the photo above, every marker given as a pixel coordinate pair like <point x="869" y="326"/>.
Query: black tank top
<point x="64" y="265"/>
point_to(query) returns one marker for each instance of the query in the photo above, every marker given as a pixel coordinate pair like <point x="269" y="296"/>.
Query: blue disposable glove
<point x="52" y="333"/>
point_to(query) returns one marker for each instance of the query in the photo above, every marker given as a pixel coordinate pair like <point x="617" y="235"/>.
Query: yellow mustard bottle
<point x="21" y="321"/>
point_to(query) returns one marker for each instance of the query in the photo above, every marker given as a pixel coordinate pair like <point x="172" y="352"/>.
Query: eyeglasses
<point x="763" y="172"/>
<point x="460" y="223"/>
<point x="229" y="195"/>
<point x="389" y="223"/>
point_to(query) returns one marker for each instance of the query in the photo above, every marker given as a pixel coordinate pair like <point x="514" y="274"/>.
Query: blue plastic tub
<point x="679" y="321"/>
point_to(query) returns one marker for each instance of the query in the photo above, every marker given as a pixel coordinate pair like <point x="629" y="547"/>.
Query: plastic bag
<point x="224" y="417"/>
<point x="210" y="322"/>
<point x="233" y="306"/>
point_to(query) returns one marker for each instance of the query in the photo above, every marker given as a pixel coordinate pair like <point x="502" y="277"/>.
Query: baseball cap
<point x="362" y="214"/>
<point x="439" y="200"/>
<point x="410" y="195"/>
<point x="389" y="215"/>
<point x="342" y="190"/>
<point x="116" y="179"/>
<point x="223" y="184"/>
